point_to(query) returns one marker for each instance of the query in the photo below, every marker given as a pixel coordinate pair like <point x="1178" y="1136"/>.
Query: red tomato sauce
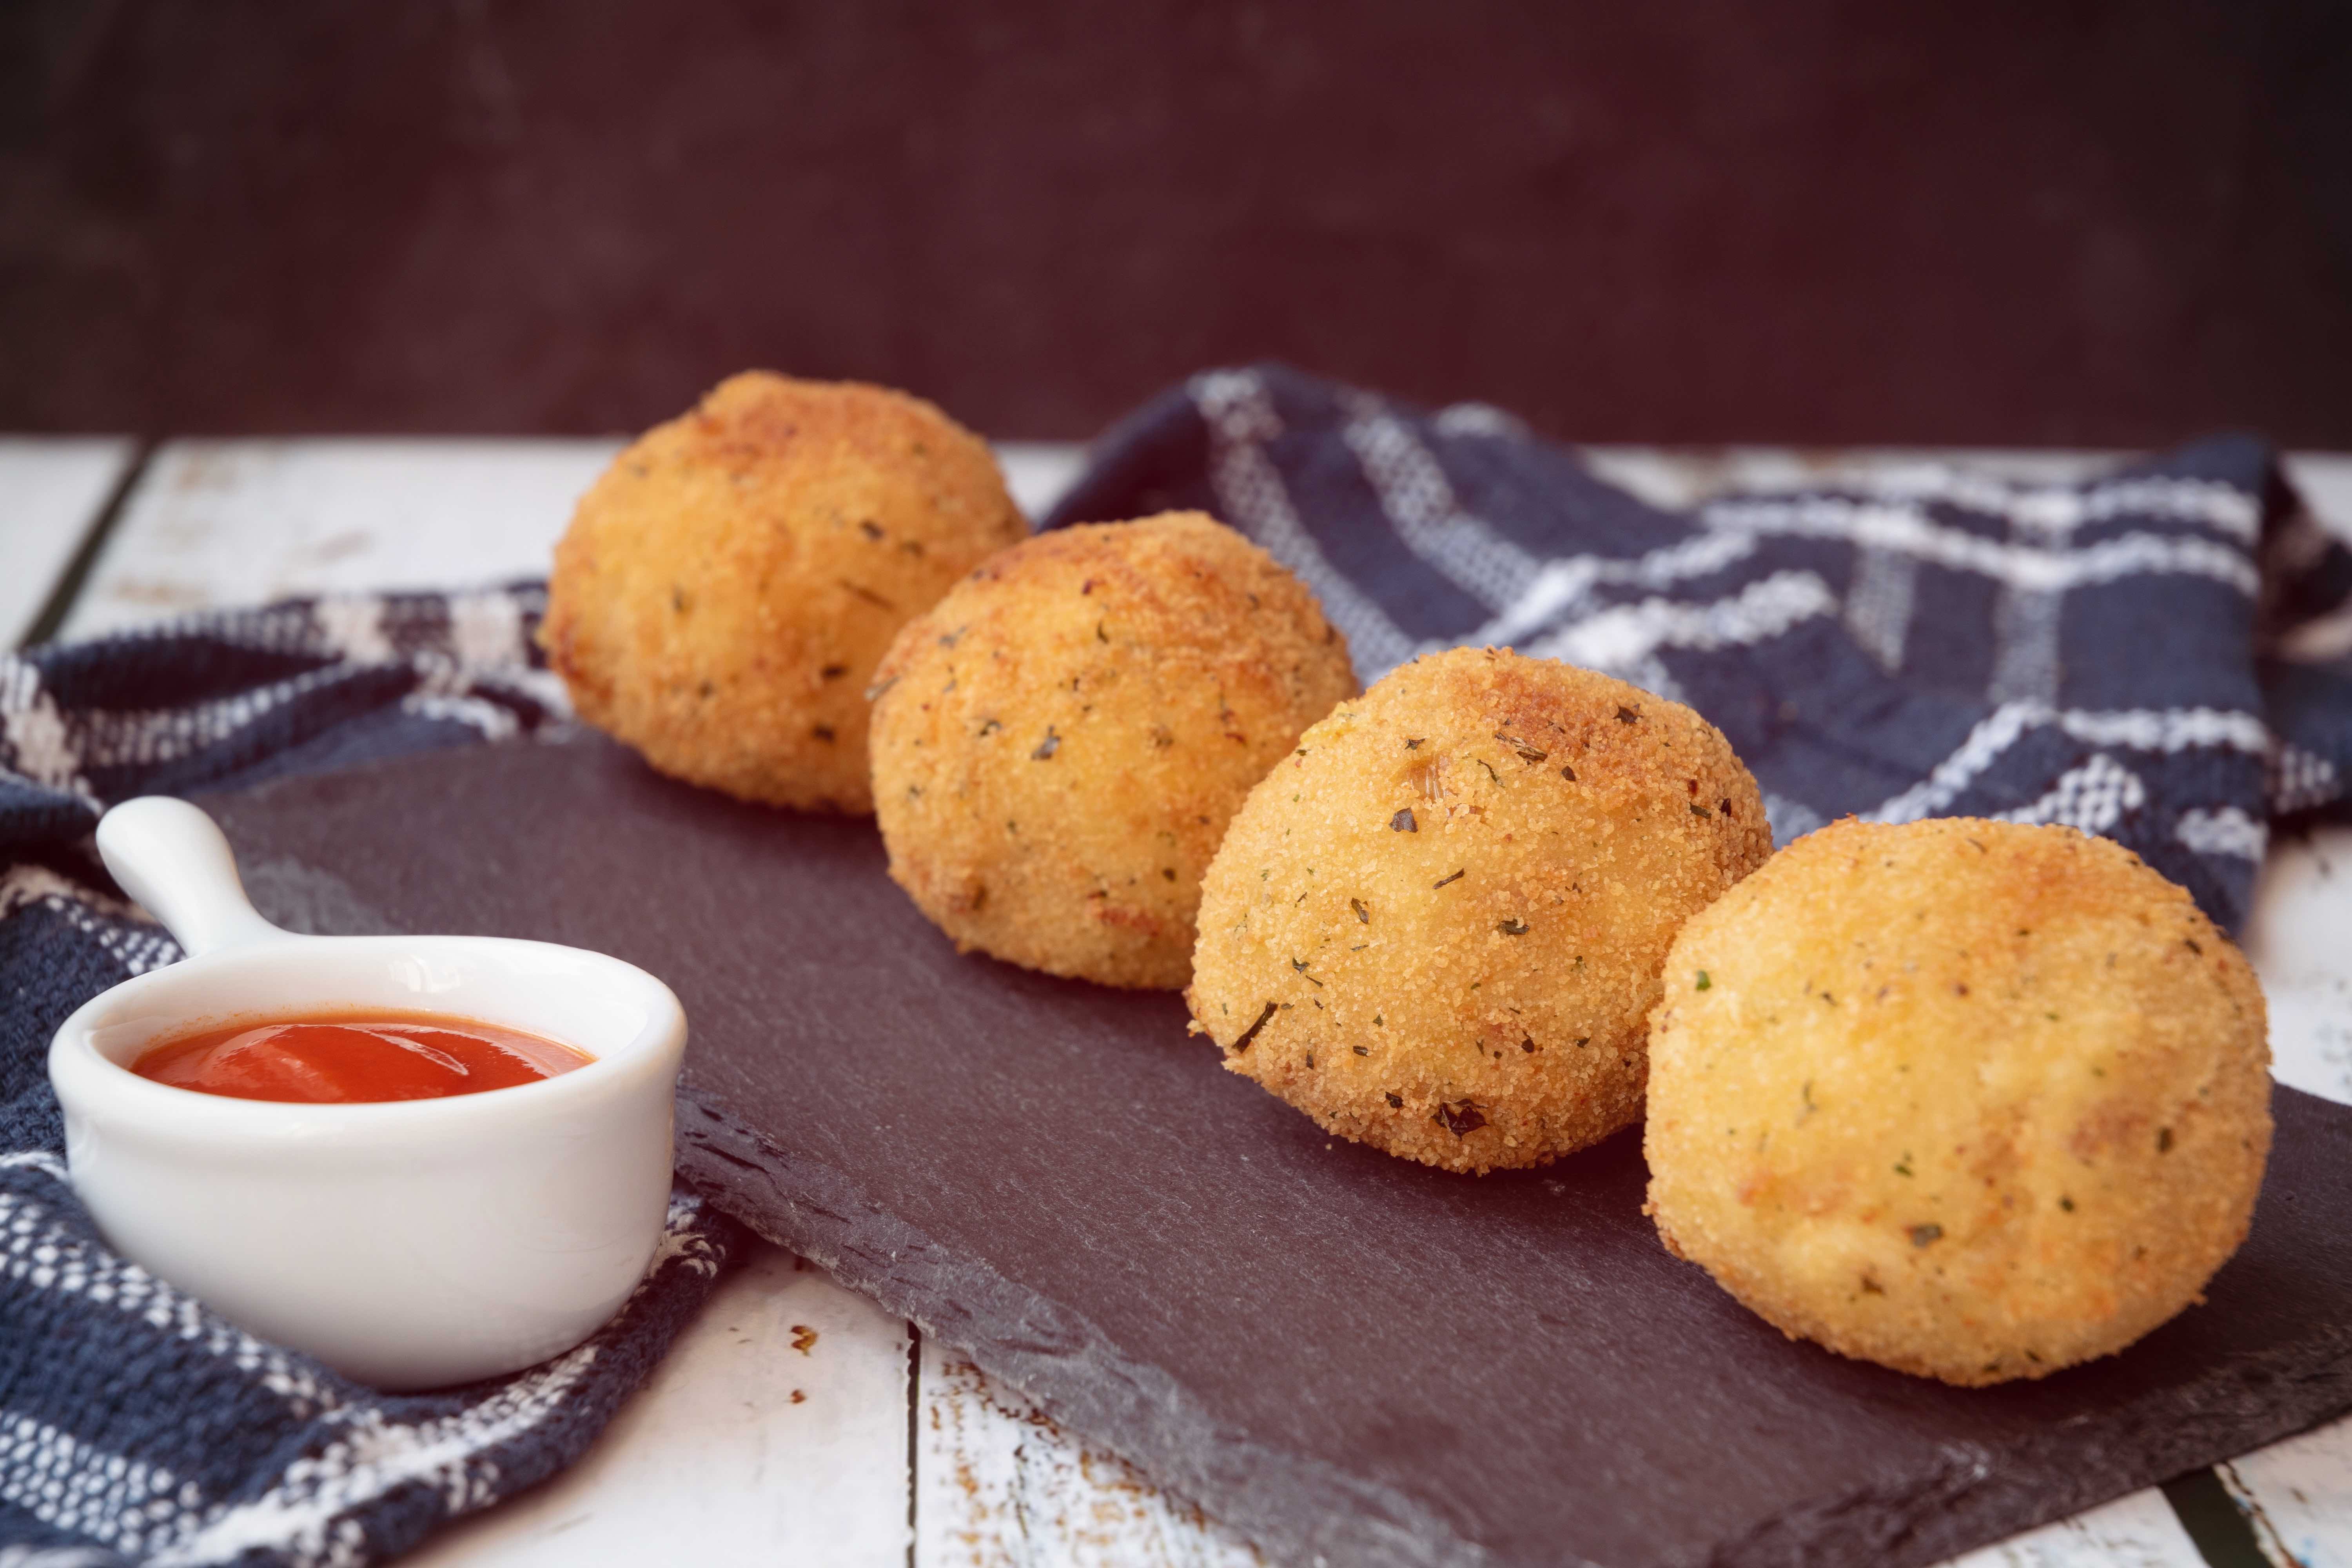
<point x="344" y="1057"/>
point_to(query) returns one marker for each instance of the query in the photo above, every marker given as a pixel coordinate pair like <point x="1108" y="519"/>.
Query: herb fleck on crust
<point x="1460" y="937"/>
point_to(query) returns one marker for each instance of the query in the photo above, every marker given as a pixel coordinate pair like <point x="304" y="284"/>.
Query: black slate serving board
<point x="1348" y="1358"/>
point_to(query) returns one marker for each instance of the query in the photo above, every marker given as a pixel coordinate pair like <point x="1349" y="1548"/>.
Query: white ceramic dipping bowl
<point x="407" y="1244"/>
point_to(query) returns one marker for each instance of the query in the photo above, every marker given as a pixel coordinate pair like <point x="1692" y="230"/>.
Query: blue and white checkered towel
<point x="2164" y="654"/>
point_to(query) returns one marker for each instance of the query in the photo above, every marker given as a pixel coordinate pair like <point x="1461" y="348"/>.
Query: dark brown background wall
<point x="1815" y="221"/>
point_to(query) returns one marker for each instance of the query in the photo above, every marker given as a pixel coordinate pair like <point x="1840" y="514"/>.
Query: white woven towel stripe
<point x="2048" y="568"/>
<point x="2144" y="729"/>
<point x="1250" y="491"/>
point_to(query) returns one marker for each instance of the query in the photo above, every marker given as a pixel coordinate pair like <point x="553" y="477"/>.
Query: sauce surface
<point x="323" y="1058"/>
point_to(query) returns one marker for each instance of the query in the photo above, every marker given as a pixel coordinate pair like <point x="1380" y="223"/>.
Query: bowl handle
<point x="174" y="860"/>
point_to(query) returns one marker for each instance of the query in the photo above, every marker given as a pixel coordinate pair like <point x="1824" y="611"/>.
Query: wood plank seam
<point x="2266" y="1532"/>
<point x="72" y="581"/>
<point x="914" y="1429"/>
<point x="2215" y="1521"/>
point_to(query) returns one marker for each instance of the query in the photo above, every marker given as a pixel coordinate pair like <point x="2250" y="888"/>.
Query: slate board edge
<point x="1074" y="1372"/>
<point x="1058" y="1358"/>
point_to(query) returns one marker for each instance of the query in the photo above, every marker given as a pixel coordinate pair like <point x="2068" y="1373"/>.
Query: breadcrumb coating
<point x="1437" y="928"/>
<point x="727" y="587"/>
<point x="1060" y="742"/>
<point x="1971" y="1099"/>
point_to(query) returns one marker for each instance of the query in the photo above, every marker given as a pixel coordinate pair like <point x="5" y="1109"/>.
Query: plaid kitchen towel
<point x="134" y="1424"/>
<point x="2162" y="655"/>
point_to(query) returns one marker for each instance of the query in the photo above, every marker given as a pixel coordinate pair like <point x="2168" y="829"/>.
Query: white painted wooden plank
<point x="998" y="1485"/>
<point x="1681" y="476"/>
<point x="2137" y="1531"/>
<point x="2299" y="943"/>
<point x="51" y="489"/>
<point x="740" y="1449"/>
<point x="232" y="522"/>
<point x="2324" y="479"/>
<point x="2297" y="1495"/>
<point x="1037" y="472"/>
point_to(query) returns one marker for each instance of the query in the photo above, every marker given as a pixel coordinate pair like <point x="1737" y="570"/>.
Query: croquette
<point x="1971" y="1099"/>
<point x="1060" y="742"/>
<point x="1438" y="926"/>
<point x="727" y="586"/>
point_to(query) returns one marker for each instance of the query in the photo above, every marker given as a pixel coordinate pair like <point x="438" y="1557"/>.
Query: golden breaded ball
<point x="1059" y="742"/>
<point x="1437" y="927"/>
<point x="726" y="588"/>
<point x="1971" y="1099"/>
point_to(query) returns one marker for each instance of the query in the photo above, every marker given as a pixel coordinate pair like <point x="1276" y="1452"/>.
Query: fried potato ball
<point x="728" y="585"/>
<point x="1059" y="742"/>
<point x="1437" y="927"/>
<point x="1971" y="1099"/>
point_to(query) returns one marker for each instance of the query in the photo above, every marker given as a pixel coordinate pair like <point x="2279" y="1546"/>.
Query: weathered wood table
<point x="861" y="1442"/>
